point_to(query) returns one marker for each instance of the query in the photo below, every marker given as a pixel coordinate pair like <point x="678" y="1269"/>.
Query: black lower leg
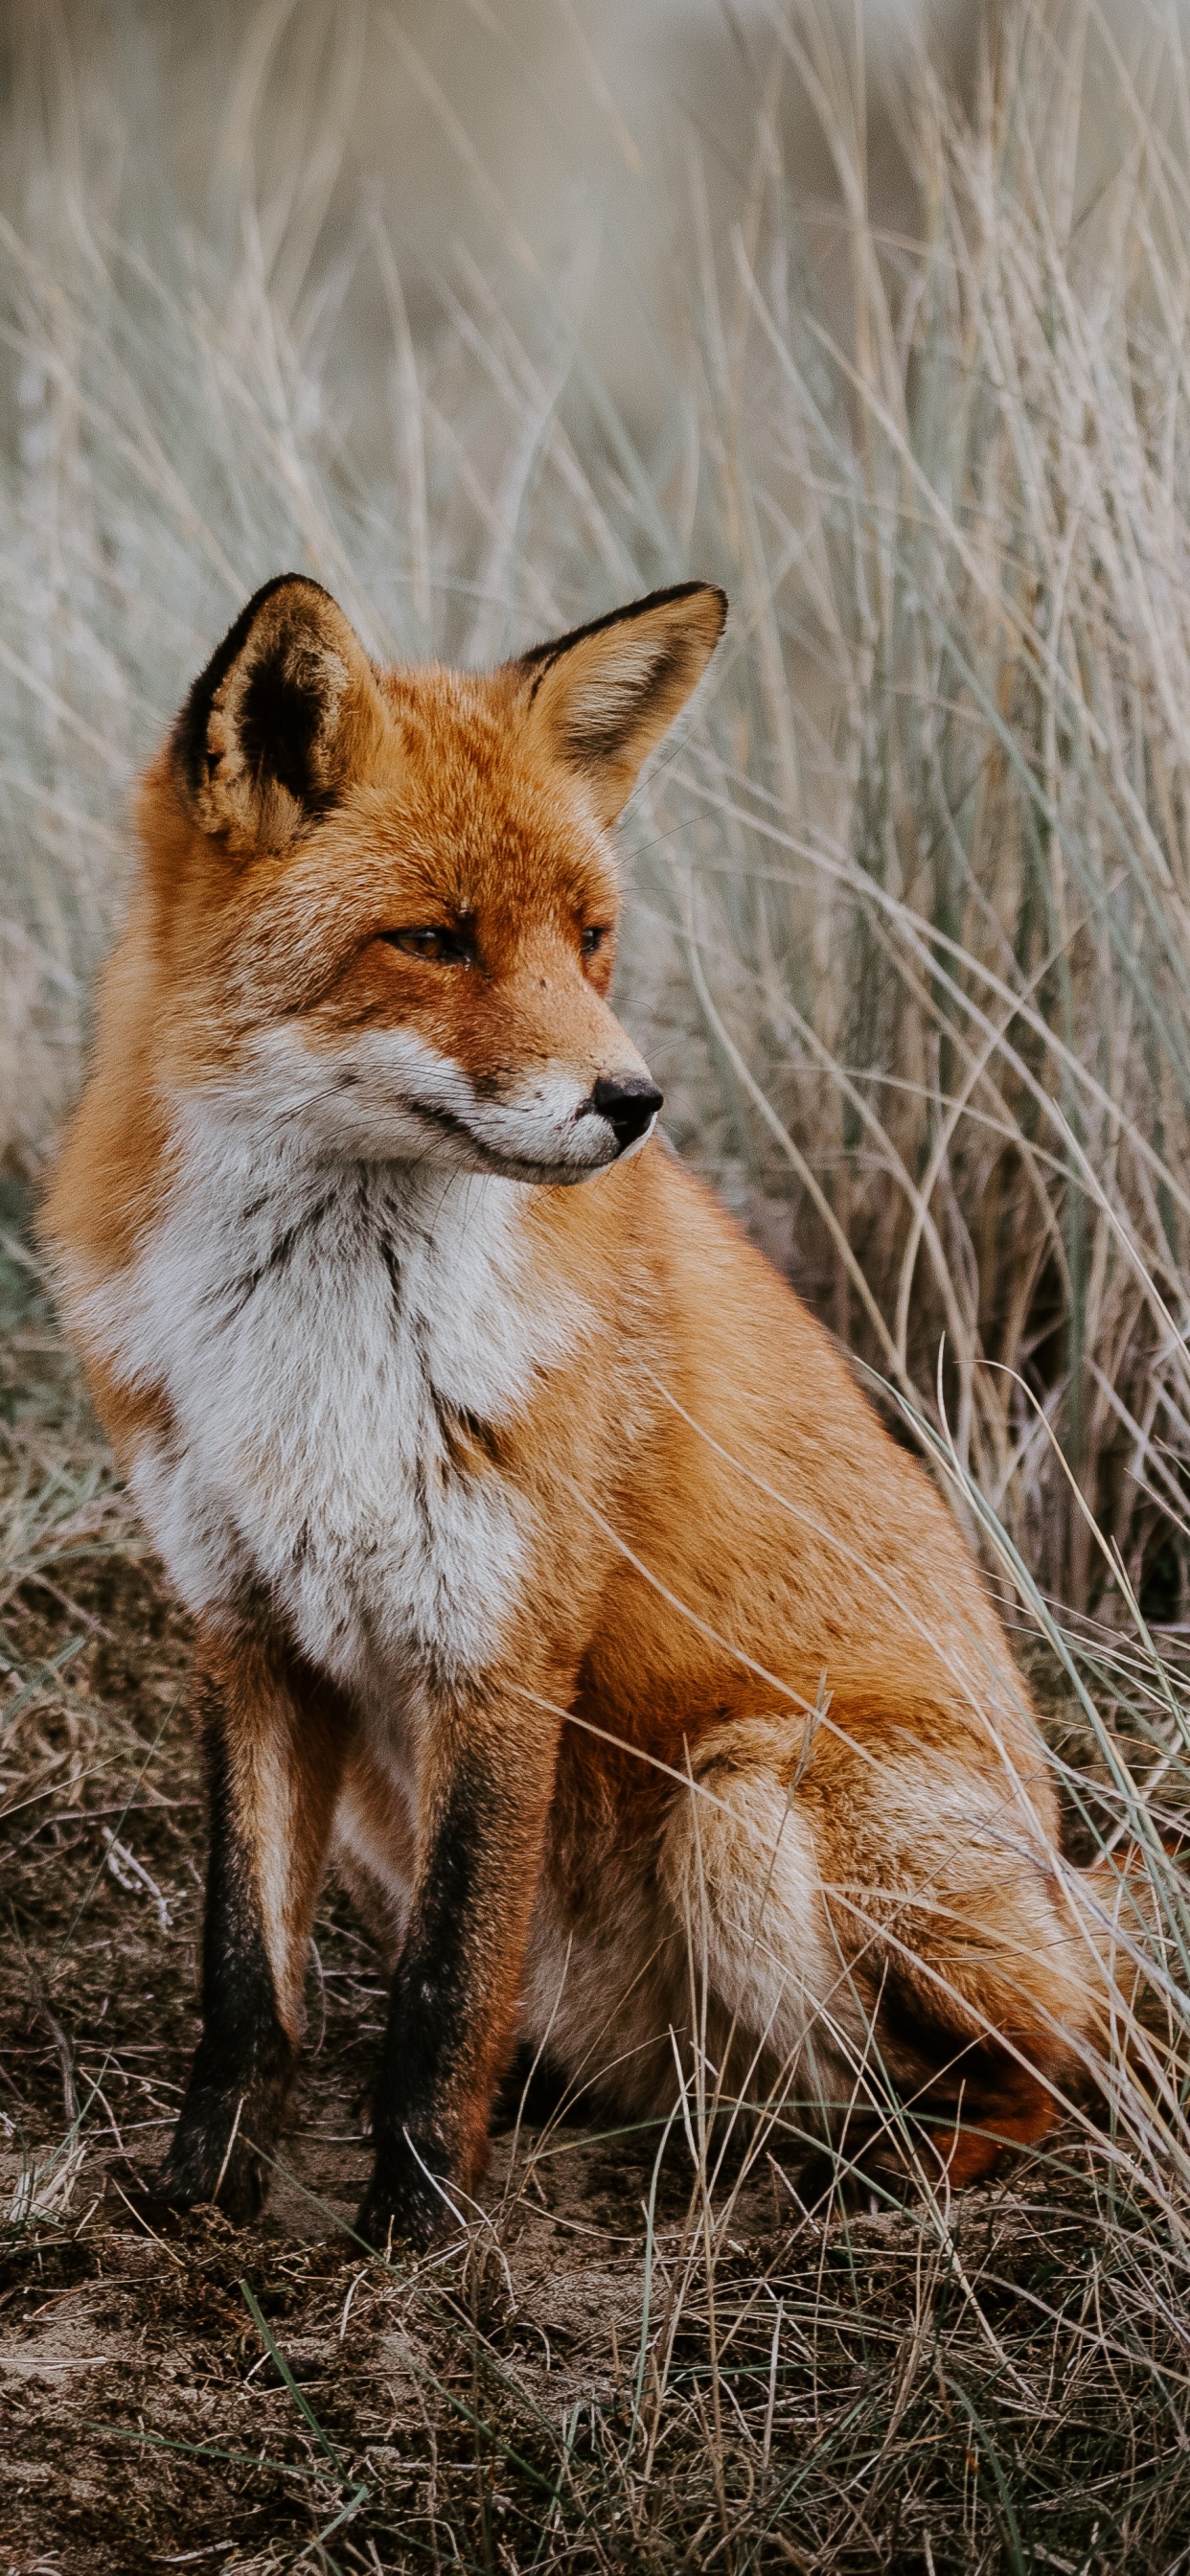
<point x="242" y="2069"/>
<point x="430" y="2113"/>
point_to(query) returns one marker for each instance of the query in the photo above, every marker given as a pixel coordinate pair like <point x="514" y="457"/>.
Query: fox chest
<point x="337" y="1404"/>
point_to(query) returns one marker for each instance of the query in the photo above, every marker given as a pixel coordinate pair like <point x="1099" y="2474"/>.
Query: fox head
<point x="388" y="899"/>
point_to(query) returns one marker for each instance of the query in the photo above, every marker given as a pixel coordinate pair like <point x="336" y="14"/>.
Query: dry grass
<point x="909" y="948"/>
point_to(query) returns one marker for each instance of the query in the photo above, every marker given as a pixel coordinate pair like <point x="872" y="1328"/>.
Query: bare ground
<point x="629" y="2361"/>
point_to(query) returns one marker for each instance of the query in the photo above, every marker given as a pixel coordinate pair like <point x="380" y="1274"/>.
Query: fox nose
<point x="628" y="1106"/>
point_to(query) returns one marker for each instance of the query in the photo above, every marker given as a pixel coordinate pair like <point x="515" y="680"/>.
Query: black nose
<point x="627" y="1106"/>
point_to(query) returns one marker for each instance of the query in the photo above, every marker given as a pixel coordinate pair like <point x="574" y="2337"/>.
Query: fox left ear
<point x="285" y="714"/>
<point x="601" y="699"/>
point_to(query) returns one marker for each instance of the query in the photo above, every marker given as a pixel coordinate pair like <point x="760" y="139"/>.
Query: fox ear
<point x="600" y="699"/>
<point x="284" y="715"/>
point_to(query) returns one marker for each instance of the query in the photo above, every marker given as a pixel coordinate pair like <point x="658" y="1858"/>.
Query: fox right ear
<point x="600" y="700"/>
<point x="284" y="715"/>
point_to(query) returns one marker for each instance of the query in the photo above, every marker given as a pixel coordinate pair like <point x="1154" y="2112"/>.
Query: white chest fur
<point x="332" y="1342"/>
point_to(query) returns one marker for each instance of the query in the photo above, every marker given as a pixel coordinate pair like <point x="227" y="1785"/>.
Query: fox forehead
<point x="504" y="860"/>
<point x="452" y="818"/>
<point x="469" y="815"/>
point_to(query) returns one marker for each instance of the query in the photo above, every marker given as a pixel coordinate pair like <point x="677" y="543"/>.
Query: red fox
<point x="544" y="1553"/>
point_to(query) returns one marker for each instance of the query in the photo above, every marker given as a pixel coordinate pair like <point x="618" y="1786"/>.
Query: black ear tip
<point x="698" y="595"/>
<point x="689" y="595"/>
<point x="720" y="599"/>
<point x="695" y="590"/>
<point x="540" y="657"/>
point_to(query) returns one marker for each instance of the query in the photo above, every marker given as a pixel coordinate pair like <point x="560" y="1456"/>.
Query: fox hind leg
<point x="944" y="1986"/>
<point x="768" y="1984"/>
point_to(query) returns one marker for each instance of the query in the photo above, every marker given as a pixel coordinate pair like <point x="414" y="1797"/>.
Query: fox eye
<point x="593" y="939"/>
<point x="441" y="946"/>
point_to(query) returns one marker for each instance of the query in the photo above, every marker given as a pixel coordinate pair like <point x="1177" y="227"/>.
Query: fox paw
<point x="215" y="2160"/>
<point x="407" y="2203"/>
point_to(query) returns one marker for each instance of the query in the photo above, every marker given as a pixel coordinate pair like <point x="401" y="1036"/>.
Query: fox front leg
<point x="275" y="1744"/>
<point x="452" y="2010"/>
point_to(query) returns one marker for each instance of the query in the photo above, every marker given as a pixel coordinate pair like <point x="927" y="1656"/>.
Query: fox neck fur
<point x="340" y="1348"/>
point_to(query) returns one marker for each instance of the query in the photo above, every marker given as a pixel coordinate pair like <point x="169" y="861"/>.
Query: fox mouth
<point x="392" y="1098"/>
<point x="560" y="1169"/>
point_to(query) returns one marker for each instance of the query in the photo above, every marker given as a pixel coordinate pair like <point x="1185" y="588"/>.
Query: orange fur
<point x="713" y="1677"/>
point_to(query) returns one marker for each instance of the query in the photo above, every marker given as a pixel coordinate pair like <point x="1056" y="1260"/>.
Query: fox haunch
<point x="543" y="1552"/>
